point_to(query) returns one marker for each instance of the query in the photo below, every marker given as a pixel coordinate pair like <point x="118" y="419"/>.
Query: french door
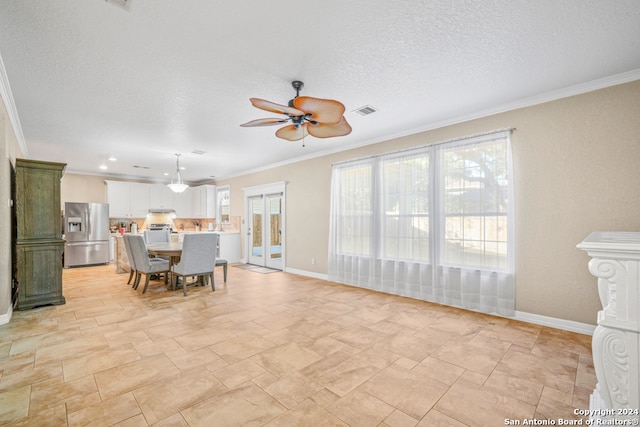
<point x="264" y="230"/>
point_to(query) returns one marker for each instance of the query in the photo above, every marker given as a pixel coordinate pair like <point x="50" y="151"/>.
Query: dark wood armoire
<point x="39" y="243"/>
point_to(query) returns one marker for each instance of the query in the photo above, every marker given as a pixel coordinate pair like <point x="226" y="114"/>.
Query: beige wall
<point x="82" y="188"/>
<point x="576" y="171"/>
<point x="9" y="150"/>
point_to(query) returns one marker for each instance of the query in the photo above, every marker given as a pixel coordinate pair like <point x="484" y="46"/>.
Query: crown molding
<point x="567" y="92"/>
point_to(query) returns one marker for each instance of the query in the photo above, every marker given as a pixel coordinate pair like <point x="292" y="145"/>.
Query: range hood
<point x="161" y="211"/>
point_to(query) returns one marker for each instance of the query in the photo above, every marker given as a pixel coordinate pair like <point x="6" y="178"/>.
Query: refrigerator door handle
<point x="88" y="216"/>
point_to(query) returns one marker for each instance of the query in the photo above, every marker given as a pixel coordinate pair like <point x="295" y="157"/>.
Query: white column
<point x="615" y="344"/>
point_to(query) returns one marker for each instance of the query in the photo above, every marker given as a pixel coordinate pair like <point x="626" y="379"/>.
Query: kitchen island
<point x="121" y="260"/>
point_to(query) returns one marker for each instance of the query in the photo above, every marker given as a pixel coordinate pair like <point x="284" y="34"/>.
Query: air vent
<point x="198" y="152"/>
<point x="141" y="167"/>
<point x="365" y="111"/>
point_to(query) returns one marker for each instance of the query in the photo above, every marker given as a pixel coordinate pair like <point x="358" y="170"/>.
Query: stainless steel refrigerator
<point x="86" y="230"/>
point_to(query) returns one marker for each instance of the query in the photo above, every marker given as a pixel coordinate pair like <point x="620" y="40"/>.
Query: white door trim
<point x="263" y="190"/>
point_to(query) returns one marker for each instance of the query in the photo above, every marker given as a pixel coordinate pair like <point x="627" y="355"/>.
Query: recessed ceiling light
<point x="103" y="167"/>
<point x="112" y="159"/>
<point x="166" y="174"/>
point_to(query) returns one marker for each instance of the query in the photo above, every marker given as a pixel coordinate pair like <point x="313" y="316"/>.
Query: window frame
<point x="436" y="213"/>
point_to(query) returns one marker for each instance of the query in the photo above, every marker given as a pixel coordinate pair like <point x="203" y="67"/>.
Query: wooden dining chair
<point x="144" y="264"/>
<point x="198" y="258"/>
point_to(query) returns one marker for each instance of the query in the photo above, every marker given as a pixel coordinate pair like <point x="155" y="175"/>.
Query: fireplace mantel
<point x="616" y="263"/>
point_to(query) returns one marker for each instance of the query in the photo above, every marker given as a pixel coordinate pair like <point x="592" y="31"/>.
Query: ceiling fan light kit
<point x="177" y="184"/>
<point x="321" y="118"/>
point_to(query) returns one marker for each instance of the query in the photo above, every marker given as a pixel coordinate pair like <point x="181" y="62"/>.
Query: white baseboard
<point x="307" y="273"/>
<point x="6" y="318"/>
<point x="552" y="322"/>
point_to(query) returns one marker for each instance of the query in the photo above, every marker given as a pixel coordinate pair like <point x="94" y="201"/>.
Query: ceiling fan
<point x="322" y="118"/>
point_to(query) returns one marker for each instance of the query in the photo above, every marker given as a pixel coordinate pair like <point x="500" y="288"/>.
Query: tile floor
<point x="278" y="350"/>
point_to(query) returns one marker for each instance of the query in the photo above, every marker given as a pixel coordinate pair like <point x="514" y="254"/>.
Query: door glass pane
<point x="275" y="226"/>
<point x="256" y="227"/>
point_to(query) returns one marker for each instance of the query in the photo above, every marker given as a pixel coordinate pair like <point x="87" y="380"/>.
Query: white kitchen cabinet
<point x="134" y="199"/>
<point x="182" y="203"/>
<point x="160" y="197"/>
<point x="203" y="203"/>
<point x="138" y="199"/>
<point x="118" y="199"/>
<point x="196" y="195"/>
<point x="229" y="246"/>
<point x="211" y="202"/>
<point x="127" y="199"/>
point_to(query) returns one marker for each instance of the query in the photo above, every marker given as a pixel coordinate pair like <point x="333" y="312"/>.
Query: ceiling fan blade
<point x="264" y="122"/>
<point x="292" y="133"/>
<point x="321" y="110"/>
<point x="324" y="130"/>
<point x="275" y="108"/>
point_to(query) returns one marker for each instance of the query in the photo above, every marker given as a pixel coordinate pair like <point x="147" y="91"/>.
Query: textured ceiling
<point x="91" y="79"/>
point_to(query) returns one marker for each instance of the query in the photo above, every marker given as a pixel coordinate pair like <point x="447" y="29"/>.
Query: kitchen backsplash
<point x="178" y="224"/>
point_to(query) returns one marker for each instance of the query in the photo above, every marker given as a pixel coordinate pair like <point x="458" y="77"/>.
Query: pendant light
<point x="177" y="185"/>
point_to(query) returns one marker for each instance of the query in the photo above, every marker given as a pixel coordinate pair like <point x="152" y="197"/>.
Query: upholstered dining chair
<point x="132" y="261"/>
<point x="132" y="264"/>
<point x="198" y="258"/>
<point x="157" y="236"/>
<point x="144" y="264"/>
<point x="224" y="263"/>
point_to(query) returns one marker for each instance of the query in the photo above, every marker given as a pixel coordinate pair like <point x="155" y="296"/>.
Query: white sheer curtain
<point x="351" y="239"/>
<point x="433" y="223"/>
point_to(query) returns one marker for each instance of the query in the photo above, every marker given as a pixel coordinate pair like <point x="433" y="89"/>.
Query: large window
<point x="405" y="207"/>
<point x="356" y="206"/>
<point x="432" y="222"/>
<point x="475" y="191"/>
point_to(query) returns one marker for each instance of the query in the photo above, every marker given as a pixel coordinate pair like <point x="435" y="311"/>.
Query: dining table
<point x="168" y="249"/>
<point x="172" y="250"/>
